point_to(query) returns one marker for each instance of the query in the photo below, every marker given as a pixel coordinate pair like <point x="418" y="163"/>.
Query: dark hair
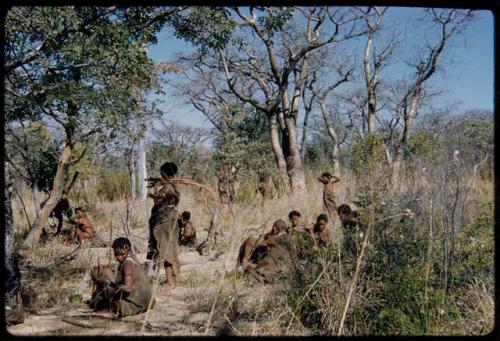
<point x="121" y="243"/>
<point x="293" y="214"/>
<point x="327" y="174"/>
<point x="280" y="224"/>
<point x="80" y="208"/>
<point x="344" y="209"/>
<point x="186" y="215"/>
<point x="322" y="216"/>
<point x="168" y="169"/>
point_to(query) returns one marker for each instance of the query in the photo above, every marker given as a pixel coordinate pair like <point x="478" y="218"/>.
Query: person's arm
<point x="128" y="277"/>
<point x="335" y="179"/>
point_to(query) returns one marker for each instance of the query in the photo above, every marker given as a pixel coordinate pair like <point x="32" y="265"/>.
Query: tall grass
<point x="398" y="290"/>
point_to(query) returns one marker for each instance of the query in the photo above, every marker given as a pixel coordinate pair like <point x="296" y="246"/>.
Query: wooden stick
<point x="79" y="324"/>
<point x="110" y="243"/>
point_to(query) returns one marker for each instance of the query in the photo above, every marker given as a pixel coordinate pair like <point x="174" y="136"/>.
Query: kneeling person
<point x="321" y="232"/>
<point x="254" y="249"/>
<point x="187" y="233"/>
<point x="130" y="292"/>
<point x="81" y="229"/>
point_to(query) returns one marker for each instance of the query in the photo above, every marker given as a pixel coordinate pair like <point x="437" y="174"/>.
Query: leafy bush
<point x="112" y="184"/>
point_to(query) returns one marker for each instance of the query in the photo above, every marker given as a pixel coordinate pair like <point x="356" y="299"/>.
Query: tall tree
<point x="264" y="66"/>
<point x="449" y="23"/>
<point x="74" y="67"/>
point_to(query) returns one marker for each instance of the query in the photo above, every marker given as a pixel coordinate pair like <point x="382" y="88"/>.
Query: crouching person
<point x="128" y="293"/>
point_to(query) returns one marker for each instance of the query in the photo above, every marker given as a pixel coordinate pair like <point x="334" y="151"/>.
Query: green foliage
<point x="35" y="152"/>
<point x="75" y="297"/>
<point x="91" y="60"/>
<point x="369" y="164"/>
<point x="368" y="154"/>
<point x="474" y="256"/>
<point x="275" y="18"/>
<point x="204" y="27"/>
<point x="423" y="144"/>
<point x="244" y="148"/>
<point x="113" y="184"/>
<point x="84" y="167"/>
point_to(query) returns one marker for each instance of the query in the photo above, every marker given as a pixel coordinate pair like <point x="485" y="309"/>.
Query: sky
<point x="467" y="81"/>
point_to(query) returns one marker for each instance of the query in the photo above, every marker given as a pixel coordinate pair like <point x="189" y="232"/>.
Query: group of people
<point x="80" y="226"/>
<point x="263" y="258"/>
<point x="129" y="292"/>
<point x="276" y="253"/>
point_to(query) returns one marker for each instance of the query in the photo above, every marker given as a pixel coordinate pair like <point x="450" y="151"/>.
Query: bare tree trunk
<point x="141" y="170"/>
<point x="278" y="152"/>
<point x="395" y="169"/>
<point x="36" y="198"/>
<point x="294" y="162"/>
<point x="369" y="79"/>
<point x="335" y="159"/>
<point x="132" y="174"/>
<point x="12" y="274"/>
<point x="56" y="195"/>
<point x="332" y="133"/>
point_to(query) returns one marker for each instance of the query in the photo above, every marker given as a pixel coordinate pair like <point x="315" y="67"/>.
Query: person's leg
<point x="170" y="277"/>
<point x="152" y="254"/>
<point x="59" y="218"/>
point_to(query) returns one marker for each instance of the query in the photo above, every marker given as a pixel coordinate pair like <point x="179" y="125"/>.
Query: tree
<point x="265" y="66"/>
<point x="74" y="67"/>
<point x="12" y="274"/>
<point x="406" y="104"/>
<point x="33" y="154"/>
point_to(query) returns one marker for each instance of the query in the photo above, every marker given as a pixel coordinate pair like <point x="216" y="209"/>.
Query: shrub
<point x="112" y="184"/>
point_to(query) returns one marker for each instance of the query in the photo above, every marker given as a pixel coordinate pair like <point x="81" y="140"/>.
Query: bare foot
<point x="104" y="313"/>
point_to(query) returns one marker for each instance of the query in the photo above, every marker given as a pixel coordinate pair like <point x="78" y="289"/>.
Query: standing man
<point x="163" y="228"/>
<point x="329" y="201"/>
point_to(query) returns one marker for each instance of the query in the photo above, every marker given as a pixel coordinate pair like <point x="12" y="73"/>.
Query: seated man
<point x="321" y="232"/>
<point x="257" y="247"/>
<point x="295" y="225"/>
<point x="353" y="228"/>
<point x="187" y="233"/>
<point x="81" y="229"/>
<point x="277" y="262"/>
<point x="128" y="293"/>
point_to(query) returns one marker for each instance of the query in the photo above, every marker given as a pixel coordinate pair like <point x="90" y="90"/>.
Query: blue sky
<point x="468" y="80"/>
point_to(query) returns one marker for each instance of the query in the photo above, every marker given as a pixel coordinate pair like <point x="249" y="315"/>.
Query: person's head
<point x="79" y="212"/>
<point x="121" y="247"/>
<point x="325" y="178"/>
<point x="321" y="221"/>
<point x="294" y="218"/>
<point x="186" y="215"/>
<point x="168" y="170"/>
<point x="278" y="226"/>
<point x="344" y="211"/>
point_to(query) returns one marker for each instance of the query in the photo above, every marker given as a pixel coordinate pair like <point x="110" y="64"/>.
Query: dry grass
<point x="238" y="309"/>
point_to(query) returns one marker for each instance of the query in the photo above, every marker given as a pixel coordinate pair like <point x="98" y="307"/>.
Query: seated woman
<point x="128" y="293"/>
<point x="80" y="230"/>
<point x="253" y="249"/>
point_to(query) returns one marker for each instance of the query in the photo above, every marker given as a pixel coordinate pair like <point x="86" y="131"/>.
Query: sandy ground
<point x="171" y="315"/>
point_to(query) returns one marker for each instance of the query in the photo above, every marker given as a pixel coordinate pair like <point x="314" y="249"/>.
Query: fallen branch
<point x="80" y="324"/>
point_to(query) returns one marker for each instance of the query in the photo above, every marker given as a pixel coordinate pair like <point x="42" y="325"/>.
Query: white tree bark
<point x="141" y="170"/>
<point x="36" y="198"/>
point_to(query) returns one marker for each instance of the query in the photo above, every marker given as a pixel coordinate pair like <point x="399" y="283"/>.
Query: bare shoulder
<point x="128" y="267"/>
